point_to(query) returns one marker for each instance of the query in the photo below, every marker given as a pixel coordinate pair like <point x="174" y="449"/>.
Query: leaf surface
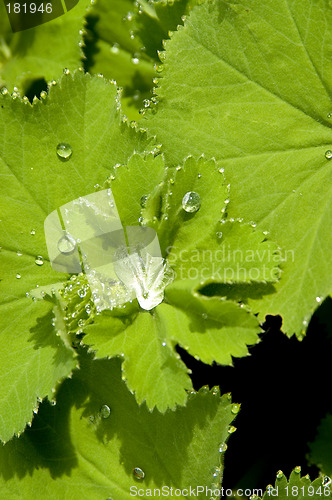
<point x="75" y="452"/>
<point x="235" y="86"/>
<point x="34" y="182"/>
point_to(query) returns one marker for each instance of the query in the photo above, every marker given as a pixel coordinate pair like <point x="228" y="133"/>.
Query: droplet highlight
<point x="191" y="202"/>
<point x="328" y="155"/>
<point x="64" y="150"/>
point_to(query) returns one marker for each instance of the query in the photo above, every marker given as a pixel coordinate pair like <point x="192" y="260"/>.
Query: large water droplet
<point x="139" y="473"/>
<point x="39" y="260"/>
<point x="328" y="155"/>
<point x="64" y="150"/>
<point x="105" y="412"/>
<point x="66" y="244"/>
<point x="191" y="202"/>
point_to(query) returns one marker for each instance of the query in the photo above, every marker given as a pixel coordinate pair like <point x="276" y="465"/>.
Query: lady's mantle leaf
<point x="81" y="111"/>
<point x="89" y="443"/>
<point x="235" y="86"/>
<point x="212" y="329"/>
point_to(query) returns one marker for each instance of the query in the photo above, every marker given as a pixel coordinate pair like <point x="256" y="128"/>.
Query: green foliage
<point x="79" y="448"/>
<point x="228" y="90"/>
<point x="240" y="117"/>
<point x="320" y="448"/>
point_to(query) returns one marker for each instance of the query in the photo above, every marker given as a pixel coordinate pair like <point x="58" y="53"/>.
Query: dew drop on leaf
<point x="191" y="202"/>
<point x="66" y="244"/>
<point x="143" y="201"/>
<point x="39" y="260"/>
<point x="235" y="408"/>
<point x="81" y="293"/>
<point x="222" y="447"/>
<point x="18" y="276"/>
<point x="280" y="474"/>
<point x="64" y="150"/>
<point x="231" y="429"/>
<point x="105" y="411"/>
<point x="19" y="253"/>
<point x="326" y="481"/>
<point x="297" y="469"/>
<point x="328" y="154"/>
<point x="139" y="473"/>
<point x="33" y="232"/>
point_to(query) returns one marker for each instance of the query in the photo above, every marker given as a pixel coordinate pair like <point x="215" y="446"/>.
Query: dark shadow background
<point x="284" y="390"/>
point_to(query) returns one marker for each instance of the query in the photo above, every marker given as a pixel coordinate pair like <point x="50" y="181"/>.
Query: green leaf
<point x="320" y="448"/>
<point x="235" y="86"/>
<point x="209" y="328"/>
<point x="35" y="182"/>
<point x="72" y="448"/>
<point x="298" y="487"/>
<point x="44" y="51"/>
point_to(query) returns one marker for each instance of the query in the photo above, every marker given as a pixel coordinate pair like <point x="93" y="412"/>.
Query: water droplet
<point x="297" y="469"/>
<point x="326" y="481"/>
<point x="115" y="48"/>
<point x="139" y="473"/>
<point x="219" y="234"/>
<point x="66" y="244"/>
<point x="105" y="412"/>
<point x="143" y="201"/>
<point x="328" y="154"/>
<point x="140" y="220"/>
<point x="235" y="408"/>
<point x="222" y="447"/>
<point x="39" y="260"/>
<point x="33" y="232"/>
<point x="66" y="71"/>
<point x="64" y="150"/>
<point x="135" y="60"/>
<point x="231" y="429"/>
<point x="81" y="323"/>
<point x="318" y="299"/>
<point x="191" y="202"/>
<point x="4" y="91"/>
<point x="19" y="253"/>
<point x="43" y="94"/>
<point x="81" y="293"/>
<point x="18" y="276"/>
<point x="171" y="181"/>
<point x="204" y="315"/>
<point x="329" y="115"/>
<point x="280" y="474"/>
